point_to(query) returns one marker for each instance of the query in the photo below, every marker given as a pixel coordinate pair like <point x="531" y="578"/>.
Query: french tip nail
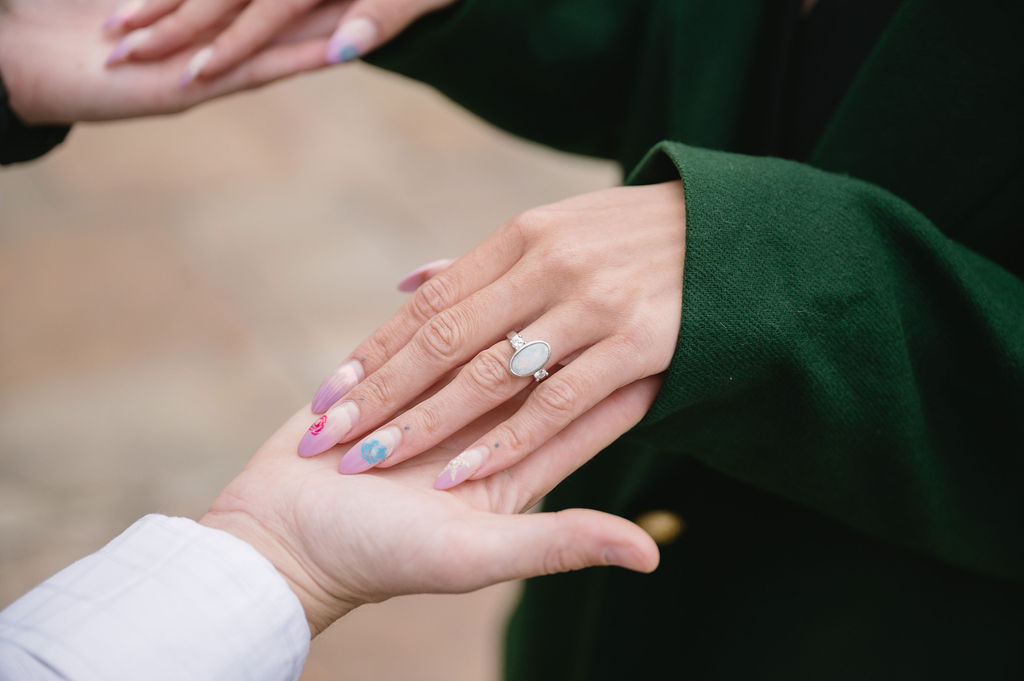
<point x="195" y="66"/>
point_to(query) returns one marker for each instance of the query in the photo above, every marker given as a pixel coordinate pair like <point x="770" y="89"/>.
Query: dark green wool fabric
<point x="842" y="426"/>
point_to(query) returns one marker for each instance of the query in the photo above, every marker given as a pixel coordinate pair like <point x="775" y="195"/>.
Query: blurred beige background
<point x="172" y="289"/>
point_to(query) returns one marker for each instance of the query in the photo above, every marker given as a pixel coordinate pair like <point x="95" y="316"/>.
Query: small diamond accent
<point x="540" y="375"/>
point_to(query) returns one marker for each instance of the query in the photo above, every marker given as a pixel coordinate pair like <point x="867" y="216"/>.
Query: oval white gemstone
<point x="530" y="358"/>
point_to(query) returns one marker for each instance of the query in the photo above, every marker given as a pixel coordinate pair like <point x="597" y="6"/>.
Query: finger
<point x="480" y="386"/>
<point x="470" y="273"/>
<point x="256" y="26"/>
<point x="501" y="547"/>
<point x="133" y="14"/>
<point x="349" y="373"/>
<point x="177" y="29"/>
<point x="415" y="279"/>
<point x="371" y="23"/>
<point x="553" y="405"/>
<point x="559" y="457"/>
<point x="270" y="64"/>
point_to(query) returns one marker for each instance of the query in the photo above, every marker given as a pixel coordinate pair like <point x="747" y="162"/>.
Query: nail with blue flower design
<point x="371" y="450"/>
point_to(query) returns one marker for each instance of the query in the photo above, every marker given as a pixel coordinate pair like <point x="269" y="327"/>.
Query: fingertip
<point x="353" y="39"/>
<point x="644" y="559"/>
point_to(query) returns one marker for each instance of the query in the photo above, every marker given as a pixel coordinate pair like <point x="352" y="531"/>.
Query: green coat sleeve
<point x="837" y="349"/>
<point x="579" y="75"/>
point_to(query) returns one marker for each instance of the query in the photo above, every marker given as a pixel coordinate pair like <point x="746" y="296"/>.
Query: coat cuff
<point x="22" y="142"/>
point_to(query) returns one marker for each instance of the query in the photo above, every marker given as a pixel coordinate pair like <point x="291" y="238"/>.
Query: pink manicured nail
<point x="195" y="65"/>
<point x="373" y="449"/>
<point x="330" y="429"/>
<point x="335" y="386"/>
<point x="125" y="45"/>
<point x="352" y="40"/>
<point x="123" y="13"/>
<point x="415" y="279"/>
<point x="461" y="467"/>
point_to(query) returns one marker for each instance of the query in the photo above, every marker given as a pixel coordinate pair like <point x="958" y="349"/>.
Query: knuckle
<point x="530" y="224"/>
<point x="510" y="439"/>
<point x="434" y="296"/>
<point x="488" y="372"/>
<point x="378" y="390"/>
<point x="374" y="351"/>
<point x="558" y="399"/>
<point x="562" y="557"/>
<point x="429" y="419"/>
<point x="442" y="336"/>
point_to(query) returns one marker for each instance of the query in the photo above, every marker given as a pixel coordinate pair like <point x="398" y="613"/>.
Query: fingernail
<point x="124" y="12"/>
<point x="621" y="556"/>
<point x="352" y="40"/>
<point x="373" y="449"/>
<point x="195" y="65"/>
<point x="336" y="385"/>
<point x="330" y="429"/>
<point x="461" y="467"/>
<point x="415" y="279"/>
<point x="128" y="43"/>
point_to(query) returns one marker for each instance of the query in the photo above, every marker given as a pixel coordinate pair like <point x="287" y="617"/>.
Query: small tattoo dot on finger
<point x="407" y="428"/>
<point x="497" y="444"/>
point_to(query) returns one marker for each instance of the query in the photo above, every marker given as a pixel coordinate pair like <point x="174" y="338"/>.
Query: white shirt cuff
<point x="167" y="599"/>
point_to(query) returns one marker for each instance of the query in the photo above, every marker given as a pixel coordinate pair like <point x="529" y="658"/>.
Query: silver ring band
<point x="529" y="358"/>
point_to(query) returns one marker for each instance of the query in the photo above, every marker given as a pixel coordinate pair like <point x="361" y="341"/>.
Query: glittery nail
<point x="461" y="467"/>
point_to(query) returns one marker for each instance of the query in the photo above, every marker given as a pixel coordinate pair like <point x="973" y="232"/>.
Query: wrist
<point x="320" y="607"/>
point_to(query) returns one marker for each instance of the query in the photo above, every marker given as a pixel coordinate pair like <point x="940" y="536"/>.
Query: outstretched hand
<point x="342" y="541"/>
<point x="155" y="29"/>
<point x="53" y="62"/>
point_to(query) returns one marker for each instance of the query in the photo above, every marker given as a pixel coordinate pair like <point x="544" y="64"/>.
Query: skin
<point x="604" y="296"/>
<point x="342" y="541"/>
<point x="53" y="53"/>
<point x="249" y="25"/>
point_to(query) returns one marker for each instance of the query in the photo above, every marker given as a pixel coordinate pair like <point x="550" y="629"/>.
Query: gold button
<point x="663" y="526"/>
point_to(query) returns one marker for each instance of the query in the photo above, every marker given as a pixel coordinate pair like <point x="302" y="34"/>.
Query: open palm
<point x="346" y="540"/>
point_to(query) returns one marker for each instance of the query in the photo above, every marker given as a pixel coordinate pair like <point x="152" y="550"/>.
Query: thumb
<point x="368" y="24"/>
<point x="521" y="546"/>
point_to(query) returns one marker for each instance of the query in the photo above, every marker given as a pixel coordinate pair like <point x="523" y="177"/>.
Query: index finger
<point x="477" y="269"/>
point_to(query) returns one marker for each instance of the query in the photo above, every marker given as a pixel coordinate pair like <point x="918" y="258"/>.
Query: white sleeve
<point x="169" y="599"/>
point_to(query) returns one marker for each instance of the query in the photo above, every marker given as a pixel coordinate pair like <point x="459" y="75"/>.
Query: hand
<point x="341" y="541"/>
<point x="52" y="61"/>
<point x="599" y="277"/>
<point x="162" y="27"/>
